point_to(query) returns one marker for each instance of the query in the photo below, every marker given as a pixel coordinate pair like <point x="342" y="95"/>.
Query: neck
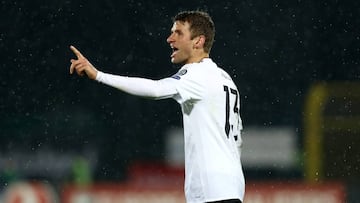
<point x="198" y="58"/>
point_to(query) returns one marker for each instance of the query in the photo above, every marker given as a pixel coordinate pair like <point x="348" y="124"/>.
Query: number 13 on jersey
<point x="231" y="107"/>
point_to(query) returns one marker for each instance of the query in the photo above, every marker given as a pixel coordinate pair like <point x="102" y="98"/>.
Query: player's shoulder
<point x="205" y="69"/>
<point x="187" y="71"/>
<point x="182" y="71"/>
<point x="217" y="71"/>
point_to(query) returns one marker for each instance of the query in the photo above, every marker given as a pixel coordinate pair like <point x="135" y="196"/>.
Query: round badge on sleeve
<point x="179" y="73"/>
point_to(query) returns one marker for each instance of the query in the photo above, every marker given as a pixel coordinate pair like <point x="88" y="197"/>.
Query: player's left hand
<point x="81" y="65"/>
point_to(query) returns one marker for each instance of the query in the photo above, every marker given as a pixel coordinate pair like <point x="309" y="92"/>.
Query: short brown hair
<point x="200" y="24"/>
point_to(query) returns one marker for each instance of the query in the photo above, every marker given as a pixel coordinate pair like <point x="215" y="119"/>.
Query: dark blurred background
<point x="274" y="50"/>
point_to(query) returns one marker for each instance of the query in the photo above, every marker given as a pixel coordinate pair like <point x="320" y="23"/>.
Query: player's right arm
<point x="154" y="89"/>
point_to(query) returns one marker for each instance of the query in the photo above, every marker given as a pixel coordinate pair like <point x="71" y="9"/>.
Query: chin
<point x="177" y="61"/>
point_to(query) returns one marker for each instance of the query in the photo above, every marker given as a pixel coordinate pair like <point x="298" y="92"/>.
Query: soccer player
<point x="210" y="104"/>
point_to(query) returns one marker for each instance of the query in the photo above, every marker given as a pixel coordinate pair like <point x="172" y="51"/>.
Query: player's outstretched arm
<point x="81" y="65"/>
<point x="155" y="89"/>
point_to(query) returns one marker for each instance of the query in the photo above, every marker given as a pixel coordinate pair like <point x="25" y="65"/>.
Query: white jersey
<point x="210" y="104"/>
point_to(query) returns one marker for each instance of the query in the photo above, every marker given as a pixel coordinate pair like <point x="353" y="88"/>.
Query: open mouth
<point x="174" y="50"/>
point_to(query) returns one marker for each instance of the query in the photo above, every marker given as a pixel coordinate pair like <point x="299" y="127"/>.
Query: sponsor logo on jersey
<point x="180" y="73"/>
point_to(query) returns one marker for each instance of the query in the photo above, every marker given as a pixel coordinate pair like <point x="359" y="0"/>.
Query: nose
<point x="170" y="39"/>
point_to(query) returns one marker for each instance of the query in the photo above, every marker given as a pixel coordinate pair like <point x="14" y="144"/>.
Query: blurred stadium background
<point x="71" y="140"/>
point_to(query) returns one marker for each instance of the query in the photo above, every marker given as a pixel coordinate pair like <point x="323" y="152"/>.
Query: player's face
<point x="181" y="43"/>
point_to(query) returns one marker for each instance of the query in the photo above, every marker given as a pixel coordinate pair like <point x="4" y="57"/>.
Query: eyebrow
<point x="176" y="31"/>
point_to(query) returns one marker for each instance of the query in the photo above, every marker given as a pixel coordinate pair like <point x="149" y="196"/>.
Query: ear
<point x="199" y="42"/>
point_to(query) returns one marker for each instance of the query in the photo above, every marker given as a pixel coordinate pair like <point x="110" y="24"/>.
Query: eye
<point x="178" y="32"/>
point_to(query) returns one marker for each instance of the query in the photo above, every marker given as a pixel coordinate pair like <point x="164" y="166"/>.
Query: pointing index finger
<point x="76" y="52"/>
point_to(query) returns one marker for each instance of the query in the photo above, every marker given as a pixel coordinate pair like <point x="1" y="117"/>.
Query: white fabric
<point x="213" y="169"/>
<point x="154" y="89"/>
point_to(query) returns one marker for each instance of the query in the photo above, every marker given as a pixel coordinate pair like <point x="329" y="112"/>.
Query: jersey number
<point x="235" y="109"/>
